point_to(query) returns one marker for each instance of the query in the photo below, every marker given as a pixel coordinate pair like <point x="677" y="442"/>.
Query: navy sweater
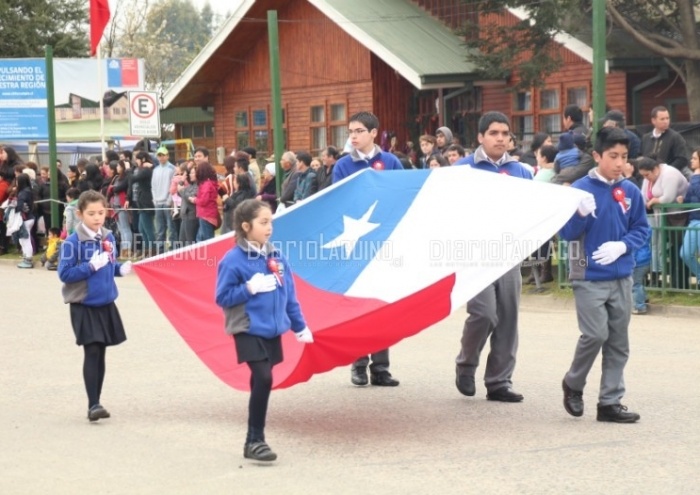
<point x="611" y="223"/>
<point x="352" y="163"/>
<point x="266" y="314"/>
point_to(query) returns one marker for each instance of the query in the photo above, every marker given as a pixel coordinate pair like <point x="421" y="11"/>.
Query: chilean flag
<point x="99" y="17"/>
<point x="376" y="257"/>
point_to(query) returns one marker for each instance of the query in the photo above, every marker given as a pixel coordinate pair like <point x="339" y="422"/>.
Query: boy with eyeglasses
<point x="363" y="129"/>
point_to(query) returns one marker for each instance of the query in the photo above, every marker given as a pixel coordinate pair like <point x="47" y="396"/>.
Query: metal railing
<point x="668" y="271"/>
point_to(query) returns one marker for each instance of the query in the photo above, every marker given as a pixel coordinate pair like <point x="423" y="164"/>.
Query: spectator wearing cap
<point x="268" y="193"/>
<point x="253" y="166"/>
<point x="162" y="199"/>
<point x="615" y="118"/>
<point x="568" y="154"/>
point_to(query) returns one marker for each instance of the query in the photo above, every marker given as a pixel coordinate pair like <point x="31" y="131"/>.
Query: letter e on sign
<point x="144" y="117"/>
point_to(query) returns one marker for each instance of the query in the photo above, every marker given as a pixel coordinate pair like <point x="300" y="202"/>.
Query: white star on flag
<point x="353" y="229"/>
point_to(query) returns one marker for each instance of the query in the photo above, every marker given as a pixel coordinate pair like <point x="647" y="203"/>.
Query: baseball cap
<point x="162" y="151"/>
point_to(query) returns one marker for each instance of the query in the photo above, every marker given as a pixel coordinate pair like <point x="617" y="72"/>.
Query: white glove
<point x="305" y="336"/>
<point x="99" y="260"/>
<point x="608" y="252"/>
<point x="261" y="283"/>
<point x="586" y="206"/>
<point x="125" y="269"/>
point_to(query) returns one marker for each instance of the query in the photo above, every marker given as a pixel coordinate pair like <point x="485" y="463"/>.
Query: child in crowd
<point x="568" y="155"/>
<point x="50" y="256"/>
<point x="545" y="156"/>
<point x="255" y="289"/>
<point x="70" y="217"/>
<point x="427" y="147"/>
<point x="437" y="161"/>
<point x="642" y="267"/>
<point x="87" y="268"/>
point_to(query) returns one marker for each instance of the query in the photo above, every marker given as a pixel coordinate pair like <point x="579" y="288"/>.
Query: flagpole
<point x="102" y="103"/>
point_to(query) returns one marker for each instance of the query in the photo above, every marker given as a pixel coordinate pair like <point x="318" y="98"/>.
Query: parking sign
<point x="144" y="116"/>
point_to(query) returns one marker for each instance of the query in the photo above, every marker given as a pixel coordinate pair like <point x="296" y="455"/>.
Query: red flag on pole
<point x="99" y="17"/>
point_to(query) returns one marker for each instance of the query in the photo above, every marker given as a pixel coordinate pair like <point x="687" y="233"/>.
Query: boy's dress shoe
<point x="616" y="413"/>
<point x="465" y="384"/>
<point x="383" y="379"/>
<point x="505" y="394"/>
<point x="358" y="376"/>
<point x="573" y="400"/>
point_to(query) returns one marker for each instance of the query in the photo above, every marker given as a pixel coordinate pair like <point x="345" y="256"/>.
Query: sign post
<point x="144" y="117"/>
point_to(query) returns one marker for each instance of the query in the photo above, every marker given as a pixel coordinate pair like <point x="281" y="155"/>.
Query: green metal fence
<point x="670" y="231"/>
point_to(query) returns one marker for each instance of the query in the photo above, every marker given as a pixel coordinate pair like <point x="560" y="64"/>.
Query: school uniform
<point x="603" y="293"/>
<point x="91" y="294"/>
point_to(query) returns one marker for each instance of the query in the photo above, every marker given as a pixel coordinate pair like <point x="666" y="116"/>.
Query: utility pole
<point x="53" y="157"/>
<point x="599" y="61"/>
<point x="275" y="86"/>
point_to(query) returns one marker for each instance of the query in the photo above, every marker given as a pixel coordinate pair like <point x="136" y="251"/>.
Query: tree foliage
<point x="26" y="26"/>
<point x="525" y="47"/>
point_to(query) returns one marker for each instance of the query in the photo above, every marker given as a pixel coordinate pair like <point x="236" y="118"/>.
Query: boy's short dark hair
<point x="456" y="147"/>
<point x="202" y="150"/>
<point x="492" y="117"/>
<point x="243" y="164"/>
<point x="73" y="192"/>
<point x="304" y="157"/>
<point x="251" y="151"/>
<point x="549" y="152"/>
<point x="367" y="119"/>
<point x="609" y="137"/>
<point x="574" y="112"/>
<point x="55" y="231"/>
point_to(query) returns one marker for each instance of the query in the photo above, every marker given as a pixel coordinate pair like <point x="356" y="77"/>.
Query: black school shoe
<point x="616" y="413"/>
<point x="383" y="379"/>
<point x="465" y="384"/>
<point x="358" y="376"/>
<point x="505" y="394"/>
<point x="259" y="451"/>
<point x="97" y="412"/>
<point x="573" y="400"/>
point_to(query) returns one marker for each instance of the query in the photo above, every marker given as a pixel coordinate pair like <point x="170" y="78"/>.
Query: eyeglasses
<point x="357" y="132"/>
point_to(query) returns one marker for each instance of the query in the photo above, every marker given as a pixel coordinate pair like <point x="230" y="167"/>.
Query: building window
<point x="579" y="96"/>
<point x="550" y="111"/>
<point x="318" y="128"/>
<point x="253" y="128"/>
<point x="523" y="120"/>
<point x="328" y="126"/>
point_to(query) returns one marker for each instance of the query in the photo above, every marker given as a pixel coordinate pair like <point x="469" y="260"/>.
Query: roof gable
<point x="408" y="39"/>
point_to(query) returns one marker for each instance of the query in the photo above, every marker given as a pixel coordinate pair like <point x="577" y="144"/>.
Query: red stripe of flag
<point x="99" y="17"/>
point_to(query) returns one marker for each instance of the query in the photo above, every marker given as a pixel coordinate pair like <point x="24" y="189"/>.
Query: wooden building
<point x="400" y="59"/>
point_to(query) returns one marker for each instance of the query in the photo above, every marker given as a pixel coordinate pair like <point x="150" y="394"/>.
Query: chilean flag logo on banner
<point x="376" y="258"/>
<point x="99" y="17"/>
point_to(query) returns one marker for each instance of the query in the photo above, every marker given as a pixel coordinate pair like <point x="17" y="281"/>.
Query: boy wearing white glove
<point x="603" y="234"/>
<point x="255" y="288"/>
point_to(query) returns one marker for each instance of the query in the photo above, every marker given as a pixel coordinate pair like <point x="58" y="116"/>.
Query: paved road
<point x="177" y="430"/>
